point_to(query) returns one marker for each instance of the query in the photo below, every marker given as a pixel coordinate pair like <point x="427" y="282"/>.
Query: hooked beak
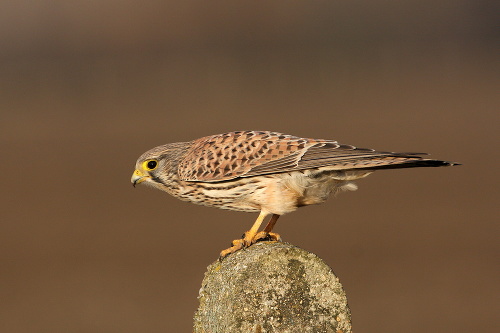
<point x="138" y="177"/>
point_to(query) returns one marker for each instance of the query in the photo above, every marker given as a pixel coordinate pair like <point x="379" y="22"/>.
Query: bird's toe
<point x="236" y="245"/>
<point x="266" y="236"/>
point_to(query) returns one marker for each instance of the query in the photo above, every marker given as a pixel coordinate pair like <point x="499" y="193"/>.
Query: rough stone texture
<point x="272" y="287"/>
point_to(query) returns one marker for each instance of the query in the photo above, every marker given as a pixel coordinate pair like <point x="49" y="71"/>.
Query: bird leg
<point x="252" y="236"/>
<point x="266" y="234"/>
<point x="248" y="238"/>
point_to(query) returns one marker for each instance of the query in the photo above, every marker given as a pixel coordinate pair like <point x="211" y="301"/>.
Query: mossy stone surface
<point x="272" y="287"/>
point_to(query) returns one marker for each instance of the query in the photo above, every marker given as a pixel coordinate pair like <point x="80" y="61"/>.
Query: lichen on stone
<point x="271" y="287"/>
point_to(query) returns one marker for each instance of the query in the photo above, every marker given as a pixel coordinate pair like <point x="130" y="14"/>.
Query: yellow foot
<point x="266" y="236"/>
<point x="245" y="242"/>
<point x="236" y="245"/>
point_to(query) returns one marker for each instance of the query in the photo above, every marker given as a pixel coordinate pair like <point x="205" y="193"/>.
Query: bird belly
<point x="275" y="193"/>
<point x="253" y="194"/>
<point x="230" y="195"/>
<point x="313" y="187"/>
<point x="284" y="193"/>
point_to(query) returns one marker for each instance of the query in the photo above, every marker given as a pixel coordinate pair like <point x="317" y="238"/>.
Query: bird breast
<point x="275" y="193"/>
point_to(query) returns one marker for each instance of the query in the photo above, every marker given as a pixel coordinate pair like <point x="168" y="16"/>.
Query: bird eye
<point x="151" y="164"/>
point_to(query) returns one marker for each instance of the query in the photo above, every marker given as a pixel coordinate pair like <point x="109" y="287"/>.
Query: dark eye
<point x="151" y="165"/>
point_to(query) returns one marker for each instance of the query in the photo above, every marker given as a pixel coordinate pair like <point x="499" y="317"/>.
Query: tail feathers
<point x="412" y="163"/>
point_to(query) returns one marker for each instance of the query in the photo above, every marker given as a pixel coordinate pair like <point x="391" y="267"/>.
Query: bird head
<point x="158" y="166"/>
<point x="144" y="170"/>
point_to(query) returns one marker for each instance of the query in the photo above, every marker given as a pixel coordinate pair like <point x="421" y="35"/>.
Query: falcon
<point x="266" y="172"/>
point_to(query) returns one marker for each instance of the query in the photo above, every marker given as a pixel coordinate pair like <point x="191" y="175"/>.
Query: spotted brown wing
<point x="252" y="153"/>
<point x="235" y="154"/>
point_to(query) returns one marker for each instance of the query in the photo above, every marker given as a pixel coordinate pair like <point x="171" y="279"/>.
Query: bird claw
<point x="236" y="245"/>
<point x="246" y="241"/>
<point x="266" y="236"/>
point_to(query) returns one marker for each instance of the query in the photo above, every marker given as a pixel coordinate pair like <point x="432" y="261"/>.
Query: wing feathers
<point x="251" y="153"/>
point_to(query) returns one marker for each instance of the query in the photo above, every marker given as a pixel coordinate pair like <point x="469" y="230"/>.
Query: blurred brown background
<point x="88" y="86"/>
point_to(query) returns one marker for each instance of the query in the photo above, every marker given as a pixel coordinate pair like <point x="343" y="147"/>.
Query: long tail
<point x="401" y="160"/>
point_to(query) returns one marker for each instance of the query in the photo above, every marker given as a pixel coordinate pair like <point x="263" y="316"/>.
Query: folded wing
<point x="253" y="153"/>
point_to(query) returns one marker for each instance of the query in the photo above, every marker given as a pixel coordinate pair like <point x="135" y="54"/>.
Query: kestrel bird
<point x="266" y="172"/>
